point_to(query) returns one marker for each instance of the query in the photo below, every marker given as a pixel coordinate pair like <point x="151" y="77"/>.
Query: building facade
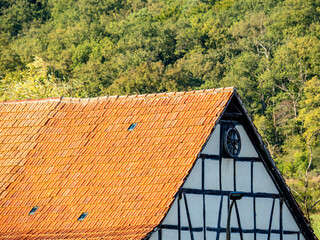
<point x="156" y="166"/>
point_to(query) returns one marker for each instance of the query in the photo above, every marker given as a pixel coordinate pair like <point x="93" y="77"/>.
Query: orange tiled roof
<point x="70" y="156"/>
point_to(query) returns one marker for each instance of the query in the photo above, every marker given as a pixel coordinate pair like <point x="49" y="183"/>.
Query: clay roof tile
<point x="74" y="155"/>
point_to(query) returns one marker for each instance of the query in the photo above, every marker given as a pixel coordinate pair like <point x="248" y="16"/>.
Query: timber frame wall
<point x="234" y="116"/>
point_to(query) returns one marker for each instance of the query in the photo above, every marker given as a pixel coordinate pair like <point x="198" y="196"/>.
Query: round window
<point x="232" y="142"/>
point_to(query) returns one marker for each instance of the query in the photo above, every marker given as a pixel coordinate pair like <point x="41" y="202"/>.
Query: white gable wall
<point x="207" y="199"/>
<point x="213" y="144"/>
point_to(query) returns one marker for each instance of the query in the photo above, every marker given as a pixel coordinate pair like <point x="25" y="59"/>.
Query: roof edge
<point x="293" y="206"/>
<point x="120" y="97"/>
<point x="197" y="156"/>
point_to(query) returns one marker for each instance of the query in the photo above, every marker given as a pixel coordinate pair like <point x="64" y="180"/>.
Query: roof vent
<point x="33" y="210"/>
<point x="132" y="126"/>
<point x="82" y="216"/>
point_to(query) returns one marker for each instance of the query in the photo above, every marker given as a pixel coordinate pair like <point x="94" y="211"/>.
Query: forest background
<point x="268" y="49"/>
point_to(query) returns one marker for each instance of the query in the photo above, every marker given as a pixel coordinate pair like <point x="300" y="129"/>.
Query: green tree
<point x="36" y="81"/>
<point x="146" y="78"/>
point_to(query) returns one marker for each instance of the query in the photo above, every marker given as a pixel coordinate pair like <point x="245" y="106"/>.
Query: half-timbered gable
<point x="156" y="166"/>
<point x="201" y="206"/>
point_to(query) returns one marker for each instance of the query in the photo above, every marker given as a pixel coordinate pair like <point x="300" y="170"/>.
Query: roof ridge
<point x="115" y="97"/>
<point x="50" y="99"/>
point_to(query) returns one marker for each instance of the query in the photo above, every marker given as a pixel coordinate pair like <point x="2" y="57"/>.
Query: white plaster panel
<point x="185" y="235"/>
<point x="263" y="212"/>
<point x="211" y="171"/>
<point x="213" y="144"/>
<point x="302" y="237"/>
<point x="262" y="236"/>
<point x="169" y="234"/>
<point x="227" y="170"/>
<point x="288" y="221"/>
<point x="211" y="235"/>
<point x="275" y="236"/>
<point x="243" y="176"/>
<point x="195" y="204"/>
<point x="224" y="213"/>
<point x="212" y="210"/>
<point x="194" y="180"/>
<point x="290" y="237"/>
<point x="234" y="219"/>
<point x="235" y="236"/>
<point x="248" y="236"/>
<point x="222" y="236"/>
<point x="247" y="148"/>
<point x="154" y="236"/>
<point x="276" y="215"/>
<point x="198" y="235"/>
<point x="183" y="213"/>
<point x="172" y="216"/>
<point x="245" y="207"/>
<point x="262" y="181"/>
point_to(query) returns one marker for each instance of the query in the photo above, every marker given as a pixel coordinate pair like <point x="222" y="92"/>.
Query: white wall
<point x="248" y="207"/>
<point x="247" y="148"/>
<point x="194" y="180"/>
<point x="212" y="145"/>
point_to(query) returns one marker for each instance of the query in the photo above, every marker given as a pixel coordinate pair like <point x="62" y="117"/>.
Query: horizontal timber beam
<point x="233" y="230"/>
<point x="227" y="193"/>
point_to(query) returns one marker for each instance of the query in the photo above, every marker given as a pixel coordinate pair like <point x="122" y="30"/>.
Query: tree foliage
<point x="37" y="80"/>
